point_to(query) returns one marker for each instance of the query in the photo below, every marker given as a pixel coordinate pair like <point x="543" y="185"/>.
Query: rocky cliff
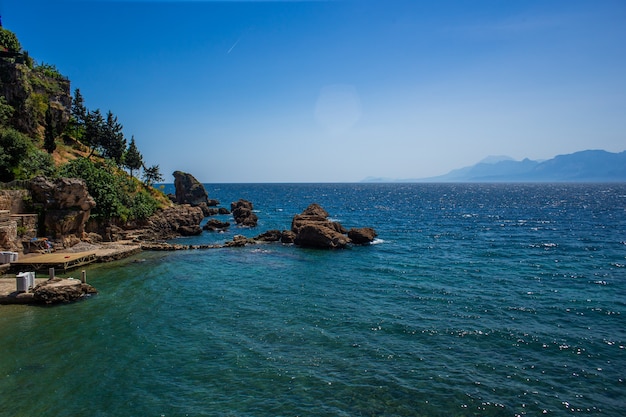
<point x="30" y="92"/>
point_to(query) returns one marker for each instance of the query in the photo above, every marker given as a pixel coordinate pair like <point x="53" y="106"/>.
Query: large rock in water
<point x="66" y="204"/>
<point x="189" y="190"/>
<point x="313" y="229"/>
<point x="362" y="235"/>
<point x="243" y="214"/>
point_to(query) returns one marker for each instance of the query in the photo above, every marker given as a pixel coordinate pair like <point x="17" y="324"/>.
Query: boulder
<point x="320" y="236"/>
<point x="189" y="190"/>
<point x="238" y="241"/>
<point x="287" y="237"/>
<point x="167" y="223"/>
<point x="193" y="230"/>
<point x="313" y="229"/>
<point x="243" y="214"/>
<point x="269" y="236"/>
<point x="314" y="213"/>
<point x="66" y="204"/>
<point x="214" y="225"/>
<point x="59" y="290"/>
<point x="362" y="235"/>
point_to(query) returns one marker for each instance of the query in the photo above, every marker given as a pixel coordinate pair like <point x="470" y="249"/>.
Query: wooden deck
<point x="63" y="261"/>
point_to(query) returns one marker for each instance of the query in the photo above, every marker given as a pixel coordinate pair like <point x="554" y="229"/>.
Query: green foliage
<point x="113" y="144"/>
<point x="151" y="175"/>
<point x="117" y="196"/>
<point x="37" y="163"/>
<point x="143" y="205"/>
<point x="50" y="134"/>
<point x="94" y="130"/>
<point x="13" y="149"/>
<point x="48" y="70"/>
<point x="28" y="60"/>
<point x="6" y="111"/>
<point x="9" y="40"/>
<point x="132" y="158"/>
<point x="38" y="104"/>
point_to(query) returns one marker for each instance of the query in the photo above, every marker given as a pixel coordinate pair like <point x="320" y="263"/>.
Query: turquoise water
<point x="477" y="300"/>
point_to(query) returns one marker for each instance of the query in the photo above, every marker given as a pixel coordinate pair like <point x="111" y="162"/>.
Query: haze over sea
<point x="476" y="300"/>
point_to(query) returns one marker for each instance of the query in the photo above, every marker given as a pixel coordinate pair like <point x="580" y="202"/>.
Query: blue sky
<point x="336" y="91"/>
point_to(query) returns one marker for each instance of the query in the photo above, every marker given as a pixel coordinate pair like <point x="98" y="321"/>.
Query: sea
<point x="474" y="300"/>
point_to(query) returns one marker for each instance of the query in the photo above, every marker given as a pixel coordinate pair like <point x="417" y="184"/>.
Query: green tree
<point x="37" y="163"/>
<point x="113" y="143"/>
<point x="133" y="160"/>
<point x="79" y="111"/>
<point x="50" y="134"/>
<point x="13" y="149"/>
<point x="94" y="130"/>
<point x="151" y="175"/>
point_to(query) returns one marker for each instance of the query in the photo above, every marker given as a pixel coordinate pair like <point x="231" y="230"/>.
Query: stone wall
<point x="14" y="200"/>
<point x="26" y="225"/>
<point x="8" y="236"/>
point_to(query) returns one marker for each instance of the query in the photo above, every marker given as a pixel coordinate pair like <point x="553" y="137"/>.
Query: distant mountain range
<point x="584" y="166"/>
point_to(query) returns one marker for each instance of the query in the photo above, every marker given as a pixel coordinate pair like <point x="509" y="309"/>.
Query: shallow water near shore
<point x="476" y="300"/>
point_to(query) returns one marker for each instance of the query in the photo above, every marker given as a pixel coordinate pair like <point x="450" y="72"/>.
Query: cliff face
<point x="31" y="92"/>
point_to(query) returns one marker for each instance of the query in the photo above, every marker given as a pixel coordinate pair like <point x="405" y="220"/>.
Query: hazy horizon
<point x="337" y="91"/>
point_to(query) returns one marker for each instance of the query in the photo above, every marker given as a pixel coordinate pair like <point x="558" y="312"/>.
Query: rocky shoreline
<point x="66" y="206"/>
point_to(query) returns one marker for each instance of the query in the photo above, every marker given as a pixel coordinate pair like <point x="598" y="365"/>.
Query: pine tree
<point x="79" y="111"/>
<point x="151" y="175"/>
<point x="94" y="130"/>
<point x="133" y="160"/>
<point x="50" y="133"/>
<point x="113" y="143"/>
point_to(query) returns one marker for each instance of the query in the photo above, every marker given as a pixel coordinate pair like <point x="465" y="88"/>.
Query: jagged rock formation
<point x="243" y="214"/>
<point x="189" y="190"/>
<point x="66" y="205"/>
<point x="312" y="229"/>
<point x="173" y="221"/>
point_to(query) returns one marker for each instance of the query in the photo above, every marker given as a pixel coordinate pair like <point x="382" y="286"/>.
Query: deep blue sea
<point x="476" y="300"/>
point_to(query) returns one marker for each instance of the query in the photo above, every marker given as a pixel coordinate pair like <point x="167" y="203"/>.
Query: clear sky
<point x="336" y="91"/>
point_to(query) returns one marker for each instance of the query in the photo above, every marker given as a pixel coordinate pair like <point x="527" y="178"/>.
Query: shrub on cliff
<point x="13" y="149"/>
<point x="117" y="196"/>
<point x="9" y="40"/>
